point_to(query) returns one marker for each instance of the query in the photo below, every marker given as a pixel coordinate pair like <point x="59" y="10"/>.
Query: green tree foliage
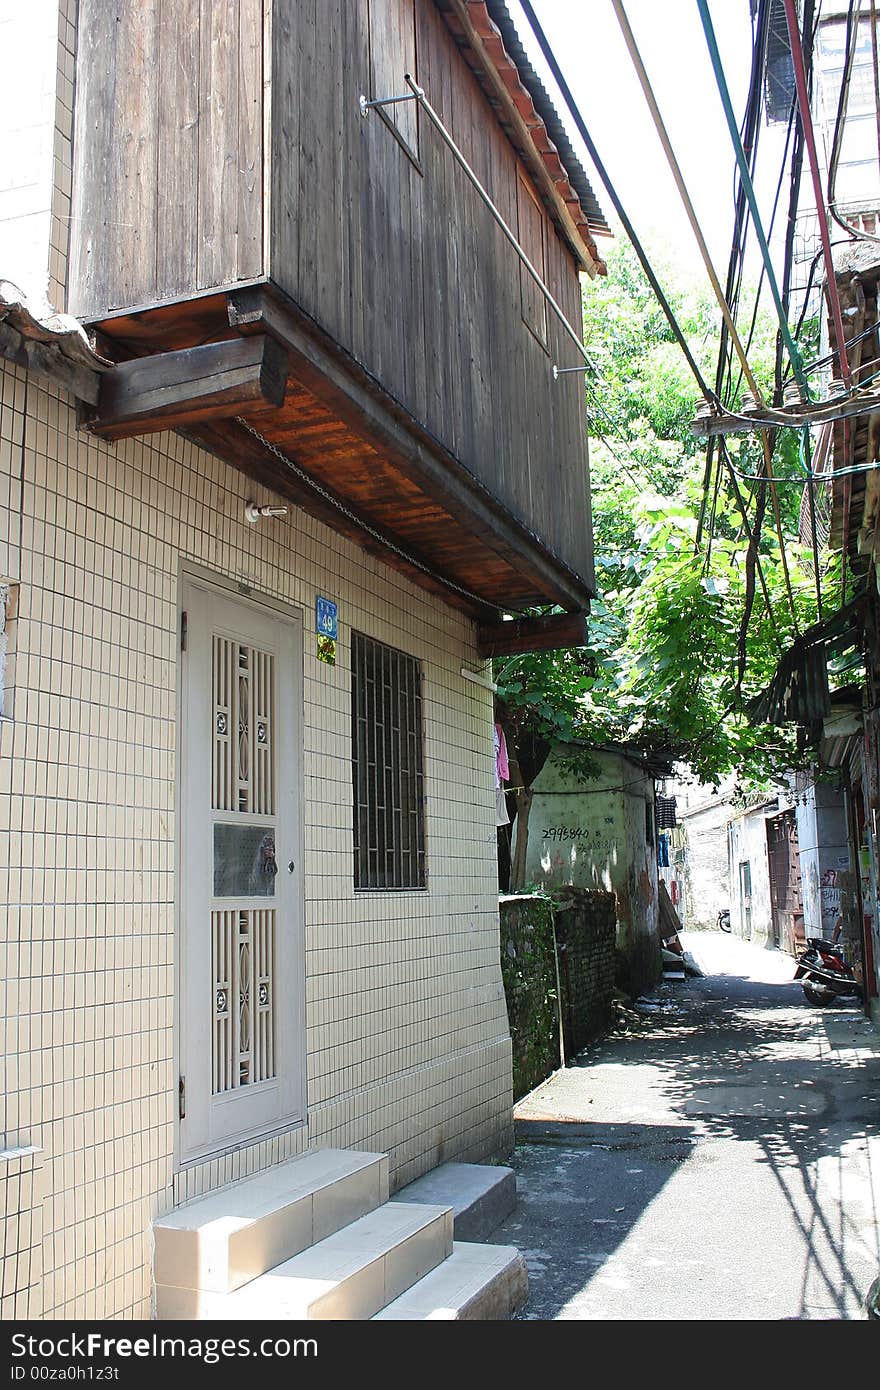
<point x="662" y="670"/>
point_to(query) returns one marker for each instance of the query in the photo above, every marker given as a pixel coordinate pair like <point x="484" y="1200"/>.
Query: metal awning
<point x="799" y="692"/>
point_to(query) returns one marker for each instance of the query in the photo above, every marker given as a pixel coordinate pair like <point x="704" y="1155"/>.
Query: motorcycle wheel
<point x="817" y="994"/>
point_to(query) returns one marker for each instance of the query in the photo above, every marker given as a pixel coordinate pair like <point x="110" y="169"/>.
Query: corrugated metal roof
<point x="546" y="109"/>
<point x="55" y="345"/>
<point x="489" y="43"/>
<point x="61" y="331"/>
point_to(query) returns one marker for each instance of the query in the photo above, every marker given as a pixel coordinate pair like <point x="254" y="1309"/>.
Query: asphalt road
<point x="719" y="1161"/>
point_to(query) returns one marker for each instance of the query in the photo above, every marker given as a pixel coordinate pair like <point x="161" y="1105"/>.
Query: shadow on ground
<point x="719" y="1158"/>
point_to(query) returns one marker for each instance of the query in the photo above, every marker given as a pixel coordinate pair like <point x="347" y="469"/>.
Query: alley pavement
<point x="721" y="1160"/>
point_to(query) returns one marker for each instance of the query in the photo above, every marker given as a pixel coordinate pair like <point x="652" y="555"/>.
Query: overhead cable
<point x="803" y="101"/>
<point x="853" y="19"/>
<point x="797" y="55"/>
<point x="746" y="184"/>
<point x="751" y="129"/>
<point x="581" y="127"/>
<point x="635" y="55"/>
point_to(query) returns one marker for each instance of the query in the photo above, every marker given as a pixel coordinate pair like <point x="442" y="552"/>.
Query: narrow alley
<point x="721" y="1161"/>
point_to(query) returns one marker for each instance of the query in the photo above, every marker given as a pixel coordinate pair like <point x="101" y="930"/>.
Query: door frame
<point x="224" y="586"/>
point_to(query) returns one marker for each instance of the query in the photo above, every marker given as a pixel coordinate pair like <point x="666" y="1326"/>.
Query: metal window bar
<point x="387" y="767"/>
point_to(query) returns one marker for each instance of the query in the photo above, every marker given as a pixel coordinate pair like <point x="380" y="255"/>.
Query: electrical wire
<point x="810" y="139"/>
<point x="748" y="530"/>
<point x="853" y="20"/>
<point x="876" y="70"/>
<point x="746" y="183"/>
<point x="750" y="131"/>
<point x="814" y="477"/>
<point x="580" y="125"/>
<point x="632" y="47"/>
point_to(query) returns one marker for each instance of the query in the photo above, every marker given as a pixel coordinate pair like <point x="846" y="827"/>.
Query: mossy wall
<point x="585" y="934"/>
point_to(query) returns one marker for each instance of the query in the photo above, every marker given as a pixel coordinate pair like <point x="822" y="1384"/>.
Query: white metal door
<point x="240" y="984"/>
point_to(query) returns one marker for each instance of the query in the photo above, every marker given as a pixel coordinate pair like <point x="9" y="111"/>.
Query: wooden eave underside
<point x="381" y="480"/>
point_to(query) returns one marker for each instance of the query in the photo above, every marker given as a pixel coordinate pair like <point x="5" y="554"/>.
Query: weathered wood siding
<point x="393" y="255"/>
<point x="168" y="150"/>
<point x="404" y="266"/>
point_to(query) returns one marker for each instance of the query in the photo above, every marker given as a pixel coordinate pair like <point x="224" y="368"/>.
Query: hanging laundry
<point x="502" y="762"/>
<point x="502" y="775"/>
<point x="663" y="851"/>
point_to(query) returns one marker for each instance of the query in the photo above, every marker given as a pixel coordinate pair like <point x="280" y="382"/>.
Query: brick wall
<point x="585" y="928"/>
<point x="586" y="925"/>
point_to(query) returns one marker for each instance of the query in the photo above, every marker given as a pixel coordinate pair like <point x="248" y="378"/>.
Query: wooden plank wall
<point x="402" y="264"/>
<point x="168" y="150"/>
<point x="396" y="258"/>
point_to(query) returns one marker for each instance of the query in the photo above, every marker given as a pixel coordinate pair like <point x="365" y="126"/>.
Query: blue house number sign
<point x="325" y="618"/>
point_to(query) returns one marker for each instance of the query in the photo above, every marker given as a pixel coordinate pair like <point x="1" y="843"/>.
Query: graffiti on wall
<point x="830" y="898"/>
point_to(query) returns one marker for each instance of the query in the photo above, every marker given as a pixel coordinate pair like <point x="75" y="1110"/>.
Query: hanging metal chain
<point x="351" y="516"/>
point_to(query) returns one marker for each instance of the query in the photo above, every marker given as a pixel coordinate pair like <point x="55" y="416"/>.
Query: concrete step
<point x="229" y="1238"/>
<point x="481" y="1195"/>
<point x="477" y="1282"/>
<point x="349" y="1275"/>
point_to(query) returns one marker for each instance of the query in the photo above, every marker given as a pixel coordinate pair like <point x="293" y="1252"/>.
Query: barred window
<point x="387" y="766"/>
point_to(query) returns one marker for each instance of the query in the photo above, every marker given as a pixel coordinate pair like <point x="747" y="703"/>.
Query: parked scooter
<point x="824" y="973"/>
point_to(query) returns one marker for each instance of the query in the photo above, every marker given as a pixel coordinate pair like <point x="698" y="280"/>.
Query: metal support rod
<point x="366" y="105"/>
<point x="560" y="371"/>
<point x="448" y="141"/>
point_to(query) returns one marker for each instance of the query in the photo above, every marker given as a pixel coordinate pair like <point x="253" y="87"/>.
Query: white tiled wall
<point x="408" y="1048"/>
<point x="21" y="1232"/>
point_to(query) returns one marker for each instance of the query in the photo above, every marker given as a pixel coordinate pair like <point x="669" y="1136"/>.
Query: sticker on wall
<point x="327" y="628"/>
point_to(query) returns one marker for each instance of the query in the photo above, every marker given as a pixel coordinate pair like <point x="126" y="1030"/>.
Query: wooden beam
<point x="176" y="389"/>
<point x="532" y="635"/>
<point x="47" y="360"/>
<point x="358" y="400"/>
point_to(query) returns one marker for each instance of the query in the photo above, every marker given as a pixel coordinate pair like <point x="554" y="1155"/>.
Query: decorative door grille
<point x="243" y="800"/>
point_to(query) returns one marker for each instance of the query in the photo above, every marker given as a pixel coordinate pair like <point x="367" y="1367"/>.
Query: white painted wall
<point x="592" y="834"/>
<point x="748" y="844"/>
<point x="826" y="877"/>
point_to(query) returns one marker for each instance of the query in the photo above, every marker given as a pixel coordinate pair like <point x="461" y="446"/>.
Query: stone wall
<point x="585" y="926"/>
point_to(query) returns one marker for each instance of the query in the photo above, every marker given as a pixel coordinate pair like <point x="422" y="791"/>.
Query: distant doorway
<point x="786" y="900"/>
